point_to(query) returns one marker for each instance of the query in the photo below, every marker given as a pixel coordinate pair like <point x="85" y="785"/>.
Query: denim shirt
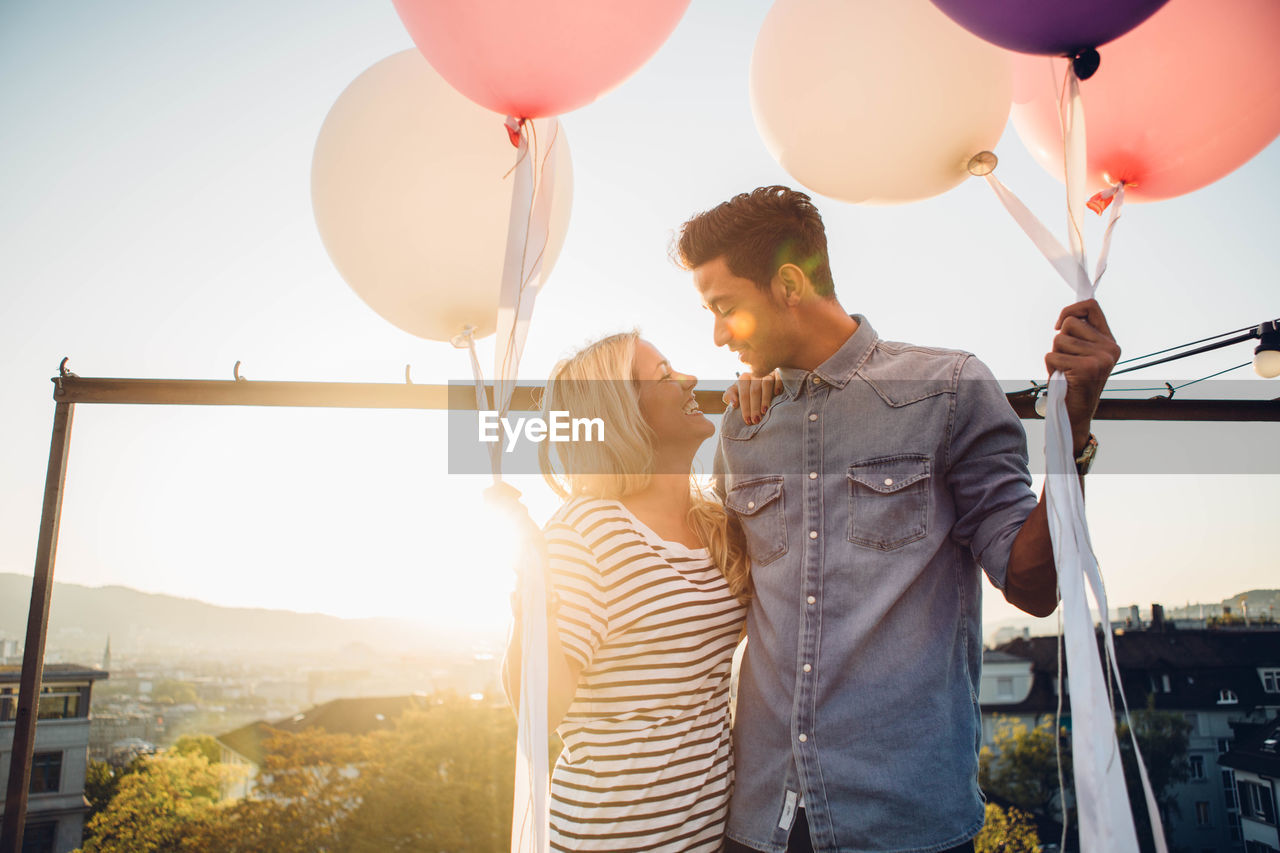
<point x="870" y="495"/>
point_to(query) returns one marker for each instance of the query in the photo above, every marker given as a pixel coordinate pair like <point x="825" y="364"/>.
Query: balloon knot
<point x="983" y="163"/>
<point x="515" y="128"/>
<point x="1102" y="200"/>
<point x="1085" y="63"/>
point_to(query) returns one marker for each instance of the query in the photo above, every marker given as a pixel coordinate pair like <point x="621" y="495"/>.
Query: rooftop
<point x="53" y="672"/>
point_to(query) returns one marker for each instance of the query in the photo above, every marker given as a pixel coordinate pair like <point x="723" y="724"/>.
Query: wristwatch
<point x="1085" y="460"/>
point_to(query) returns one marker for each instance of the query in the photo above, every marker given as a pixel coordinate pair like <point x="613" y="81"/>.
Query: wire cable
<point x="1182" y="346"/>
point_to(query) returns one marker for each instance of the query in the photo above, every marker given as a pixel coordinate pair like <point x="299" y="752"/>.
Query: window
<point x="58" y="702"/>
<point x="8" y="704"/>
<point x="1270" y="679"/>
<point x="1228" y="697"/>
<point x="1004" y="687"/>
<point x="1202" y="812"/>
<point x="46" y="773"/>
<point x="1256" y="802"/>
<point x="1164" y="680"/>
<point x="1196" y="763"/>
<point x="39" y="837"/>
<point x="1229" y="789"/>
<point x="1224" y="744"/>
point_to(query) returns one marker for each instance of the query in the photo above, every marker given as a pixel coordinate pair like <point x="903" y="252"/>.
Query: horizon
<point x="158" y="222"/>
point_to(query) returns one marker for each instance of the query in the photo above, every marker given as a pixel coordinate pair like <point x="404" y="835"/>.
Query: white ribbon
<point x="527" y="236"/>
<point x="528" y="227"/>
<point x="1105" y="818"/>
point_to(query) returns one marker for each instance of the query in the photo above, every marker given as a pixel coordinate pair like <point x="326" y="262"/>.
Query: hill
<point x="82" y="617"/>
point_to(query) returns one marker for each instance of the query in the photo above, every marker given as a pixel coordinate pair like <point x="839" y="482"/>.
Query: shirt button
<point x="811" y="600"/>
<point x="813" y="534"/>
<point x="808" y="668"/>
<point x="803" y="737"/>
<point x="751" y="504"/>
<point x="813" y="475"/>
<point x="817" y="380"/>
<point x="813" y="417"/>
<point x="888" y="481"/>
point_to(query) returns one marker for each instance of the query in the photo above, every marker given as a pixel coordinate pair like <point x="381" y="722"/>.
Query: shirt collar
<point x="840" y="367"/>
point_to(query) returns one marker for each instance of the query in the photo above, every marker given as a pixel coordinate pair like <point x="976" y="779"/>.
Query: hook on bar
<point x="407" y="380"/>
<point x="63" y="372"/>
<point x="235" y="371"/>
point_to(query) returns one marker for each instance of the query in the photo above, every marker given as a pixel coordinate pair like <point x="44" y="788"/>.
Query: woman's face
<point x="667" y="403"/>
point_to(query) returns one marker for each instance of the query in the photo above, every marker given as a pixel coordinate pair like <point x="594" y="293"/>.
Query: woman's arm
<point x="562" y="672"/>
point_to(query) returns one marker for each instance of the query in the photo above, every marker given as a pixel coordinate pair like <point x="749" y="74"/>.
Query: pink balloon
<point x="535" y="58"/>
<point x="1183" y="100"/>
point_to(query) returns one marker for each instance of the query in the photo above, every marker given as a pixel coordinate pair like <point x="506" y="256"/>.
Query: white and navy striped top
<point x="646" y="762"/>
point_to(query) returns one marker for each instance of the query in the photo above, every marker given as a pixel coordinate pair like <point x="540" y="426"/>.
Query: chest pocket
<point x="759" y="507"/>
<point x="889" y="501"/>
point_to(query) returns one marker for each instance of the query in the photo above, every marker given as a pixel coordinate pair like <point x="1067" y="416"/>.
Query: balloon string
<point x="1099" y="779"/>
<point x="1075" y="165"/>
<point x="466" y="339"/>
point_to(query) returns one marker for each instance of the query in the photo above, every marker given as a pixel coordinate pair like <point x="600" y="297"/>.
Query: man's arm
<point x="1085" y="351"/>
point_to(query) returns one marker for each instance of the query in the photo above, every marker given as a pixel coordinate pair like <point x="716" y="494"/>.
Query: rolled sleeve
<point x="988" y="470"/>
<point x="582" y="611"/>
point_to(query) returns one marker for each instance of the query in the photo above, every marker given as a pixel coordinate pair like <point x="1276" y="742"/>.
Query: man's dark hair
<point x="756" y="233"/>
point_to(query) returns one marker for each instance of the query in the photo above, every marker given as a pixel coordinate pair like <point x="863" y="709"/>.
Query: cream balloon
<point x="411" y="185"/>
<point x="876" y="101"/>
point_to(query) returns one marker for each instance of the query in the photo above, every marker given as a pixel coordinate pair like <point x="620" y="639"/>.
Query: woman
<point x="648" y="600"/>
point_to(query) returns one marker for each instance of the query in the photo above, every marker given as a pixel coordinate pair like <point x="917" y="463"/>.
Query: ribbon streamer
<point x="528" y="228"/>
<point x="527" y="236"/>
<point x="1105" y="818"/>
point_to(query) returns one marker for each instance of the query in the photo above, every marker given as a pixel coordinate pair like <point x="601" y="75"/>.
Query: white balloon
<point x="878" y="101"/>
<point x="411" y="184"/>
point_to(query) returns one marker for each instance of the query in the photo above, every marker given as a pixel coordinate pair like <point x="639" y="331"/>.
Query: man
<point x="870" y="493"/>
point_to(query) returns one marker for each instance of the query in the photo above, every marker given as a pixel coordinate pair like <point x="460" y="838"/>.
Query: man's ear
<point x="791" y="284"/>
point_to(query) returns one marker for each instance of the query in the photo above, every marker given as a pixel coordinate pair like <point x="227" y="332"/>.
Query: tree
<point x="305" y="793"/>
<point x="442" y="780"/>
<point x="100" y="785"/>
<point x="157" y="806"/>
<point x="1023" y="768"/>
<point x="205" y="745"/>
<point x="1163" y="737"/>
<point x="1007" y="831"/>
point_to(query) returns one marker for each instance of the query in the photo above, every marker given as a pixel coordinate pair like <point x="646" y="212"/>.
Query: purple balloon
<point x="1054" y="27"/>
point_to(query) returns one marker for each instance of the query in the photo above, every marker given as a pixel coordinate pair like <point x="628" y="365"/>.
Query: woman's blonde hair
<point x="599" y="381"/>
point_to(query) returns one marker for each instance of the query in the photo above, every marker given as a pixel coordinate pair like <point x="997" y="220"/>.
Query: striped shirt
<point x="646" y="762"/>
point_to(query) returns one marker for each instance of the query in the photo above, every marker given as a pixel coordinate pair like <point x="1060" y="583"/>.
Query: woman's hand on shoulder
<point x="753" y="394"/>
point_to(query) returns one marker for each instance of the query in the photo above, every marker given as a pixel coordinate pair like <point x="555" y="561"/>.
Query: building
<point x="55" y="802"/>
<point x="1254" y="758"/>
<point x="1217" y="679"/>
<point x="245" y="747"/>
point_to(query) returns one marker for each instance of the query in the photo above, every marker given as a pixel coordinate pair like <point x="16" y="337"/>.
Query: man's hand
<point x="754" y="394"/>
<point x="1085" y="352"/>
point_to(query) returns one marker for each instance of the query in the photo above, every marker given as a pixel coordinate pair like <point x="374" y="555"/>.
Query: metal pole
<point x="460" y="397"/>
<point x="24" y="730"/>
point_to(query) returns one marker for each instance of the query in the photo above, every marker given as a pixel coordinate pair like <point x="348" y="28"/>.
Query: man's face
<point x="754" y="324"/>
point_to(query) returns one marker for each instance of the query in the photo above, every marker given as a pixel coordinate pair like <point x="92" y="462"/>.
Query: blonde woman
<point x="648" y="600"/>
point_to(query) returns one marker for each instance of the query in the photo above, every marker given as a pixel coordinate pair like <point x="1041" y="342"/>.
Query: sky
<point x="155" y="221"/>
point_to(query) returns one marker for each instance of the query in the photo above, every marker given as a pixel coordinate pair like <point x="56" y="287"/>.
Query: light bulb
<point x="1266" y="363"/>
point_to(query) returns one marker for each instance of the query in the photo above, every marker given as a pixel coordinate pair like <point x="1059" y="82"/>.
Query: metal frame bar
<point x="461" y="396"/>
<point x="71" y="389"/>
<point x="24" y="730"/>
